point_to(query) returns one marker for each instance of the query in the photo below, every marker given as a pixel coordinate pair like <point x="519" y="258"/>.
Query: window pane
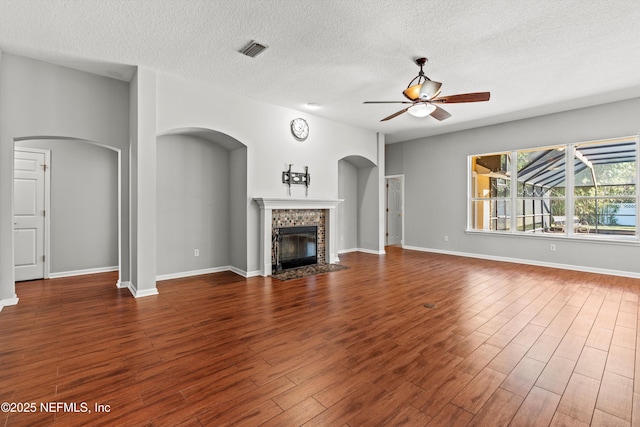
<point x="557" y="221"/>
<point x="541" y="169"/>
<point x="492" y="214"/>
<point x="605" y="186"/>
<point x="607" y="215"/>
<point x="493" y="178"/>
<point x="541" y="188"/>
<point x="491" y="192"/>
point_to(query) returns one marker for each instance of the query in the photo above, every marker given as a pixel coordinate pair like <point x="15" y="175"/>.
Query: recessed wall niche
<point x="201" y="197"/>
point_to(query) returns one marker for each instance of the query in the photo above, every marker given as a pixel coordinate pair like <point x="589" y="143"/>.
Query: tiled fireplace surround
<point x="282" y="218"/>
<point x="276" y="213"/>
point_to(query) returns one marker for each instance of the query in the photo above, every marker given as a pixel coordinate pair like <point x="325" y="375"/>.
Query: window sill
<point x="578" y="237"/>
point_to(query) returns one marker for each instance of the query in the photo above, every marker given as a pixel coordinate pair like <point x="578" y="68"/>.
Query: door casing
<point x="390" y="209"/>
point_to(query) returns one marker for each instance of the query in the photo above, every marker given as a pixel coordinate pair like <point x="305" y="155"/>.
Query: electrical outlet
<point x="196" y="252"/>
<point x="552" y="247"/>
<point x="446" y="238"/>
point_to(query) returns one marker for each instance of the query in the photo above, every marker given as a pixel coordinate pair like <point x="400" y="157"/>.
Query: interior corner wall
<point x="84" y="205"/>
<point x="368" y="208"/>
<point x="381" y="196"/>
<point x="7" y="285"/>
<point x="193" y="199"/>
<point x="133" y="207"/>
<point x="143" y="212"/>
<point x="436" y="186"/>
<point x="238" y="206"/>
<point x="394" y="159"/>
<point x="39" y="99"/>
<point x="347" y="210"/>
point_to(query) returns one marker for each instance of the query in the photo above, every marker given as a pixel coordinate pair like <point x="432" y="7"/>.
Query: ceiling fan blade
<point x="463" y="97"/>
<point x="440" y="114"/>
<point x="387" y="102"/>
<point x="395" y="114"/>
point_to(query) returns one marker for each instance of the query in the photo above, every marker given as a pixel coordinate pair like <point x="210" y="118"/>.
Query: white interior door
<point x="394" y="211"/>
<point x="29" y="214"/>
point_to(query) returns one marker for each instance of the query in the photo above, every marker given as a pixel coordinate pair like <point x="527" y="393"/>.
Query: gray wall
<point x="44" y="100"/>
<point x="84" y="205"/>
<point x="238" y="204"/>
<point x="142" y="165"/>
<point x="194" y="200"/>
<point x="357" y="214"/>
<point x="368" y="200"/>
<point x="394" y="159"/>
<point x="436" y="180"/>
<point x="348" y="209"/>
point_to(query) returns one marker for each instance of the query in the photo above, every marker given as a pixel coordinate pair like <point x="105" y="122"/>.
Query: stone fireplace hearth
<point x="276" y="213"/>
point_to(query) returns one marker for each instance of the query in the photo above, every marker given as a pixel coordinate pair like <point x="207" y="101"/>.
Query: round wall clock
<point x="300" y="129"/>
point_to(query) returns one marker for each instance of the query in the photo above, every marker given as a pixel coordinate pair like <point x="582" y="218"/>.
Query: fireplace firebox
<point x="297" y="246"/>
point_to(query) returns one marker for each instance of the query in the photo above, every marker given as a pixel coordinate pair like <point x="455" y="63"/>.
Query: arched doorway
<point x="83" y="223"/>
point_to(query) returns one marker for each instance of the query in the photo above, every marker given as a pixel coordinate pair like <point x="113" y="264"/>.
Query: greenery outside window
<point x="605" y="186"/>
<point x="585" y="189"/>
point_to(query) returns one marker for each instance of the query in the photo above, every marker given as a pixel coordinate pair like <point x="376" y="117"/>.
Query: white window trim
<point x="569" y="195"/>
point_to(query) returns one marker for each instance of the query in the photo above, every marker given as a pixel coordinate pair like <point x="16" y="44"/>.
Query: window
<point x="586" y="189"/>
<point x="540" y="182"/>
<point x="604" y="187"/>
<point x="491" y="200"/>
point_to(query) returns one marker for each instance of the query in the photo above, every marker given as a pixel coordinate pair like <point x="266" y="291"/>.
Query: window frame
<point x="496" y="200"/>
<point x="569" y="196"/>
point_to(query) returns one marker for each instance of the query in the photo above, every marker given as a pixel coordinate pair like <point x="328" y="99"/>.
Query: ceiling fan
<point x="423" y="95"/>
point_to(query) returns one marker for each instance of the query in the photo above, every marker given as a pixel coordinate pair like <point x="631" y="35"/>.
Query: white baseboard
<point x="244" y="273"/>
<point x="585" y="269"/>
<point x="123" y="285"/>
<point x="141" y="293"/>
<point x="192" y="273"/>
<point x="82" y="272"/>
<point x="254" y="273"/>
<point x="371" y="251"/>
<point x="346" y="251"/>
<point x="8" y="301"/>
<point x="366" y="251"/>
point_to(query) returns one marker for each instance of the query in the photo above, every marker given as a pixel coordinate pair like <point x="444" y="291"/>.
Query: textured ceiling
<point x="534" y="56"/>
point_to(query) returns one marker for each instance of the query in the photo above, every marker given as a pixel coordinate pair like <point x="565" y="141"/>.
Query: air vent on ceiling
<point x="253" y="49"/>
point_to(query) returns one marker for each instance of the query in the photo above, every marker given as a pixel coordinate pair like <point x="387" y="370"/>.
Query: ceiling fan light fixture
<point x="429" y="89"/>
<point x="412" y="92"/>
<point x="421" y="109"/>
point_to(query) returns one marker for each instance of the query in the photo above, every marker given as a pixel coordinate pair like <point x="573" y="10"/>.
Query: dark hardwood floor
<point x="504" y="344"/>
